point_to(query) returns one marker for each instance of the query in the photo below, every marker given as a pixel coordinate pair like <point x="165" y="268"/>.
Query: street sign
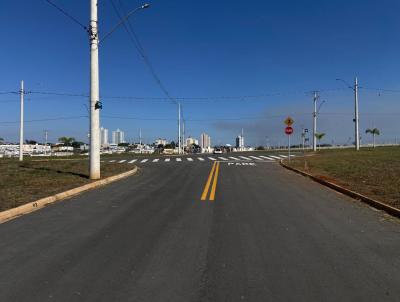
<point x="289" y="121"/>
<point x="288" y="130"/>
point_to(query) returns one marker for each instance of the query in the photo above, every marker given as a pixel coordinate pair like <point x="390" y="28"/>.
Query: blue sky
<point x="279" y="49"/>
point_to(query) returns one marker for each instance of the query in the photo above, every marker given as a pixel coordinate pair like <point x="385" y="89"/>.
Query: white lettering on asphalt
<point x="242" y="164"/>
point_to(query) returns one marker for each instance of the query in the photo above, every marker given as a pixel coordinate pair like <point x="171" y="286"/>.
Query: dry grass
<point x="372" y="172"/>
<point x="21" y="183"/>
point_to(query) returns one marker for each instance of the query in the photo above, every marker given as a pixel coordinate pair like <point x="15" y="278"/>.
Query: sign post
<point x="289" y="131"/>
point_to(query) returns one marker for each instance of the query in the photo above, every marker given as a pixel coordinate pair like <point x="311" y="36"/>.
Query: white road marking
<point x="143" y="161"/>
<point x="257" y="158"/>
<point x="190" y="159"/>
<point x="132" y="161"/>
<point x="266" y="157"/>
<point x="235" y="158"/>
<point x="155" y="160"/>
<point x="284" y="156"/>
<point x="112" y="161"/>
<point x="122" y="161"/>
<point x="223" y="158"/>
<point x="200" y="158"/>
<point x="167" y="159"/>
<point x="246" y="158"/>
<point x="179" y="159"/>
<point x="276" y="157"/>
<point x="212" y="158"/>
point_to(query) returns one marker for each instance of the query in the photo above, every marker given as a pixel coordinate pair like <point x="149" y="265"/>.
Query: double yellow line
<point x="212" y="177"/>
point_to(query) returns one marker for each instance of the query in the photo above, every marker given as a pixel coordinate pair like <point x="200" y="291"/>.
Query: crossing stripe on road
<point x="234" y="158"/>
<point x="212" y="158"/>
<point x="143" y="161"/>
<point x="112" y="161"/>
<point x="244" y="157"/>
<point x="257" y="158"/>
<point x="167" y="159"/>
<point x="179" y="159"/>
<point x="273" y="156"/>
<point x="155" y="160"/>
<point x="266" y="157"/>
<point x="190" y="159"/>
<point x="223" y="158"/>
<point x="132" y="161"/>
<point x="122" y="161"/>
<point x="200" y="159"/>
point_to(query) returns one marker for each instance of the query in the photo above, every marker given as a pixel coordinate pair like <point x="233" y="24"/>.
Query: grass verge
<point x="30" y="180"/>
<point x="371" y="172"/>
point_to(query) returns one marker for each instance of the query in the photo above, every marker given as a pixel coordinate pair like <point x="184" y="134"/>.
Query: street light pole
<point x="315" y="121"/>
<point x="94" y="94"/>
<point x="356" y="117"/>
<point x="179" y="128"/>
<point x="21" y="127"/>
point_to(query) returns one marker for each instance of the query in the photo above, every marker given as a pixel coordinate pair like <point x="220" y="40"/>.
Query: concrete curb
<point x="41" y="203"/>
<point x="372" y="202"/>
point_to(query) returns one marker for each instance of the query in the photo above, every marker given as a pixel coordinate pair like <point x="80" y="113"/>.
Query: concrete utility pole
<point x="140" y="140"/>
<point x="21" y="127"/>
<point x="46" y="133"/>
<point x="315" y="121"/>
<point x="183" y="136"/>
<point x="95" y="105"/>
<point x="356" y="118"/>
<point x="179" y="128"/>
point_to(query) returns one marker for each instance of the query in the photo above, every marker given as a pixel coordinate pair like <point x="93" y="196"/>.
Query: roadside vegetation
<point x="373" y="172"/>
<point x="33" y="179"/>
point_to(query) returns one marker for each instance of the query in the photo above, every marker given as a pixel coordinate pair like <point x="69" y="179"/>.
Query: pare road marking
<point x="242" y="164"/>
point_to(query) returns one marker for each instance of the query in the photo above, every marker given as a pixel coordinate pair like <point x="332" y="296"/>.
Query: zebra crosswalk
<point x="259" y="158"/>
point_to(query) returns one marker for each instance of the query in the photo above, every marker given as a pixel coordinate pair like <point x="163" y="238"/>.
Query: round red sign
<point x="288" y="130"/>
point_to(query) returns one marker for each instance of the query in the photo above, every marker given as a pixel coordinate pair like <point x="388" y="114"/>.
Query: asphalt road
<point x="268" y="235"/>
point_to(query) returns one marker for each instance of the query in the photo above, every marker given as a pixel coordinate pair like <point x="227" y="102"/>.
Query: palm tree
<point x="374" y="131"/>
<point x="319" y="136"/>
<point x="67" y="141"/>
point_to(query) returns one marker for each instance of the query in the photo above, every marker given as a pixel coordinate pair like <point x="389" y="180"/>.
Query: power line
<point x="67" y="14"/>
<point x="46" y="119"/>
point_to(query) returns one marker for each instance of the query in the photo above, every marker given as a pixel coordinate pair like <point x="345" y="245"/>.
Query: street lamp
<point x="356" y="119"/>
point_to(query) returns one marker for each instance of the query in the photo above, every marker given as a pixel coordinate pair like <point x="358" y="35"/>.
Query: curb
<point x="43" y="202"/>
<point x="372" y="202"/>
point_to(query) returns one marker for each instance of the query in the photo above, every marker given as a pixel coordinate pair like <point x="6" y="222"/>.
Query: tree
<point x="76" y="144"/>
<point x="374" y="131"/>
<point x="30" y="142"/>
<point x="1" y="140"/>
<point x="319" y="136"/>
<point x="67" y="141"/>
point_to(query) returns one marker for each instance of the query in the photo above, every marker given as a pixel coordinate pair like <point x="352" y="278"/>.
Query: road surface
<point x="203" y="231"/>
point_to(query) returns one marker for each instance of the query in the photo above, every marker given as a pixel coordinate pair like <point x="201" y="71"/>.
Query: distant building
<point x="240" y="142"/>
<point x="118" y="137"/>
<point x="160" y="141"/>
<point x="191" y="141"/>
<point x="205" y="141"/>
<point x="104" y="137"/>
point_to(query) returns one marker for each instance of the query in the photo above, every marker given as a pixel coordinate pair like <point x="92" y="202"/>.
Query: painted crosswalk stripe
<point x="200" y="158"/>
<point x="234" y="158"/>
<point x="246" y="158"/>
<point x="179" y="159"/>
<point x="122" y="161"/>
<point x="284" y="156"/>
<point x="266" y="157"/>
<point x="167" y="159"/>
<point x="190" y="159"/>
<point x="132" y="161"/>
<point x="143" y="161"/>
<point x="112" y="161"/>
<point x="273" y="156"/>
<point x="223" y="158"/>
<point x="255" y="157"/>
<point x="212" y="158"/>
<point x="155" y="160"/>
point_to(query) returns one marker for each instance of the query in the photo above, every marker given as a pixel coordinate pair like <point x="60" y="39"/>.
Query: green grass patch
<point x="372" y="172"/>
<point x="33" y="179"/>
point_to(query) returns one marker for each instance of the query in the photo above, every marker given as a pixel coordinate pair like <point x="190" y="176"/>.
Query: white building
<point x="118" y="137"/>
<point x="160" y="141"/>
<point x="104" y="137"/>
<point x="191" y="141"/>
<point x="205" y="141"/>
<point x="240" y="142"/>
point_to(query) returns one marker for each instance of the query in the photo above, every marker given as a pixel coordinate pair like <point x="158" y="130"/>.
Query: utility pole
<point x="315" y="121"/>
<point x="140" y="140"/>
<point x="95" y="104"/>
<point x="46" y="133"/>
<point x="21" y="127"/>
<point x="183" y="135"/>
<point x="179" y="128"/>
<point x="356" y="118"/>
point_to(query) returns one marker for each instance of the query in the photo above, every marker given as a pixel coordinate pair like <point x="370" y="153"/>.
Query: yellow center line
<point x="204" y="195"/>
<point x="214" y="185"/>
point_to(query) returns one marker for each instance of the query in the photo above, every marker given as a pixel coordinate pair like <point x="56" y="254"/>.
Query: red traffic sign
<point x="288" y="130"/>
